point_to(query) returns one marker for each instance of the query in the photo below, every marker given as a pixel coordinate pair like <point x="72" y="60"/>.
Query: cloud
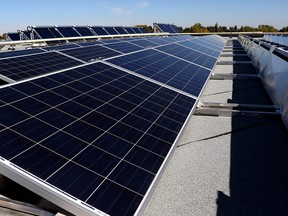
<point x="120" y="11"/>
<point x="143" y="5"/>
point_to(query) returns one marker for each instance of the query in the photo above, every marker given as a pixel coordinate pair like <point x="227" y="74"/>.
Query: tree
<point x="248" y="29"/>
<point x="267" y="28"/>
<point x="186" y="30"/>
<point x="3" y="37"/>
<point x="198" y="28"/>
<point x="222" y="29"/>
<point x="149" y="29"/>
<point x="284" y="29"/>
<point x="211" y="28"/>
<point x="216" y="27"/>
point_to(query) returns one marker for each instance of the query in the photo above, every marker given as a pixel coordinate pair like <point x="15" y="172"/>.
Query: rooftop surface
<point x="226" y="163"/>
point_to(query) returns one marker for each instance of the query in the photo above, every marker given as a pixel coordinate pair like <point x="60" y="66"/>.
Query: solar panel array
<point x="160" y="27"/>
<point x="20" y="35"/>
<point x="94" y="137"/>
<point x="49" y="32"/>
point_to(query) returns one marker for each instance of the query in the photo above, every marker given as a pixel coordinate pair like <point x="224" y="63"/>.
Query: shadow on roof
<point x="259" y="149"/>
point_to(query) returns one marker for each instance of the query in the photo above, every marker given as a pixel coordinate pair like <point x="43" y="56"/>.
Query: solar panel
<point x="91" y="53"/>
<point x="199" y="46"/>
<point x="189" y="55"/>
<point x="83" y="31"/>
<point x="120" y="30"/>
<point x="46" y="32"/>
<point x="13" y="36"/>
<point x="19" y="53"/>
<point x="167" y="28"/>
<point x="107" y="124"/>
<point x="208" y="43"/>
<point x="99" y="30"/>
<point x="174" y="28"/>
<point x="24" y="67"/>
<point x="129" y="30"/>
<point x="67" y="31"/>
<point x="111" y="30"/>
<point x="61" y="47"/>
<point x="123" y="47"/>
<point x="144" y="43"/>
<point x="142" y="30"/>
<point x="93" y="139"/>
<point x="90" y="43"/>
<point x="163" y="27"/>
<point x="137" y="30"/>
<point x="27" y="35"/>
<point x="109" y="41"/>
<point x="159" y="40"/>
<point x="165" y="69"/>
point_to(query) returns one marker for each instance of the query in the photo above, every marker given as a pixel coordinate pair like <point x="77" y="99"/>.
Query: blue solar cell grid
<point x="137" y="30"/>
<point x="14" y="36"/>
<point x="19" y="53"/>
<point x="123" y="47"/>
<point x="109" y="123"/>
<point x="61" y="47"/>
<point x="99" y="30"/>
<point x="189" y="55"/>
<point x="165" y="69"/>
<point x="142" y="30"/>
<point x="106" y="131"/>
<point x="24" y="67"/>
<point x="111" y="30"/>
<point x="91" y="53"/>
<point x="120" y="30"/>
<point x="83" y="31"/>
<point x="68" y="32"/>
<point x="129" y="30"/>
<point x="47" y="32"/>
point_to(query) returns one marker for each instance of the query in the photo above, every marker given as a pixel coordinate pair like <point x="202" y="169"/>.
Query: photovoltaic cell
<point x="84" y="31"/>
<point x="120" y="30"/>
<point x="60" y="47"/>
<point x="46" y="32"/>
<point x="129" y="30"/>
<point x="111" y="30"/>
<point x="165" y="69"/>
<point x="142" y="30"/>
<point x="93" y="141"/>
<point x="29" y="66"/>
<point x="14" y="36"/>
<point x="19" y="53"/>
<point x="99" y="30"/>
<point x="123" y="47"/>
<point x="159" y="40"/>
<point x="189" y="55"/>
<point x="96" y="133"/>
<point x="90" y="43"/>
<point x="198" y="46"/>
<point x="68" y="31"/>
<point x="144" y="43"/>
<point x="137" y="30"/>
<point x="91" y="53"/>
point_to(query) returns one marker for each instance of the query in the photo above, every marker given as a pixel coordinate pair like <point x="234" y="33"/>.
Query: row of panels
<point x="72" y="31"/>
<point x="173" y="51"/>
<point x="98" y="135"/>
<point x="160" y="27"/>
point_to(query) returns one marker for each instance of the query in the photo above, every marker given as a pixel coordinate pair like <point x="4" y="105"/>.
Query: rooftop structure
<point x="160" y="27"/>
<point x="218" y="156"/>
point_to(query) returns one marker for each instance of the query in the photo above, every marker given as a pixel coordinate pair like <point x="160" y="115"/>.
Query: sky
<point x="18" y="14"/>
